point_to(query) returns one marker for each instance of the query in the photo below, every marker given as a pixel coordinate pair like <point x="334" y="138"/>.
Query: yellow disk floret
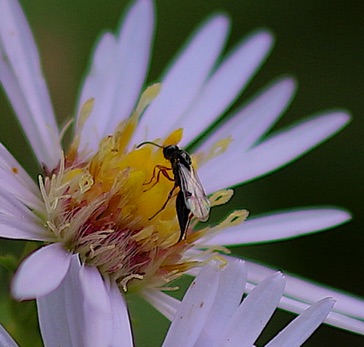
<point x="103" y="207"/>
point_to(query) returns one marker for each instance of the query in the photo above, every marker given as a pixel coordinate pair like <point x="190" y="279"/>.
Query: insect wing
<point x="195" y="197"/>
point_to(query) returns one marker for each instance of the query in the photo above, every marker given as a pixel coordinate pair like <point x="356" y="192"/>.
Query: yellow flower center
<point x="102" y="208"/>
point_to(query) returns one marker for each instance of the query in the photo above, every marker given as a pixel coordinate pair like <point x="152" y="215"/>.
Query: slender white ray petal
<point x="121" y="330"/>
<point x="12" y="227"/>
<point x="334" y="318"/>
<point x="301" y="328"/>
<point x="193" y="311"/>
<point x="184" y="79"/>
<point x="254" y="313"/>
<point x="97" y="307"/>
<point x="22" y="78"/>
<point x="15" y="181"/>
<point x="254" y="118"/>
<point x="35" y="278"/>
<point x="117" y="73"/>
<point x="276" y="151"/>
<point x="227" y="82"/>
<point x="300" y="292"/>
<point x="227" y="300"/>
<point x="11" y="185"/>
<point x="92" y="281"/>
<point x="11" y="206"/>
<point x="5" y="339"/>
<point x="7" y="161"/>
<point x="281" y="225"/>
<point x="61" y="315"/>
<point x="164" y="303"/>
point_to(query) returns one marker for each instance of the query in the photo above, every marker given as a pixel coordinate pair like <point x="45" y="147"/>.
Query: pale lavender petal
<point x="184" y="79"/>
<point x="97" y="308"/>
<point x="348" y="312"/>
<point x="254" y="313"/>
<point x="335" y="319"/>
<point x="276" y="151"/>
<point x="12" y="227"/>
<point x="117" y="73"/>
<point x="194" y="309"/>
<point x="61" y="316"/>
<point x="252" y="121"/>
<point x="224" y="86"/>
<point x="94" y="288"/>
<point x="121" y="330"/>
<point x="10" y="184"/>
<point x="41" y="272"/>
<point x="281" y="225"/>
<point x="164" y="303"/>
<point x="5" y="339"/>
<point x="15" y="181"/>
<point x="298" y="331"/>
<point x="7" y="161"/>
<point x="228" y="298"/>
<point x="22" y="78"/>
<point x="11" y="206"/>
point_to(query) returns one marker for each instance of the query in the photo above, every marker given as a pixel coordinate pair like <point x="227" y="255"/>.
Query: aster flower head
<point x="96" y="201"/>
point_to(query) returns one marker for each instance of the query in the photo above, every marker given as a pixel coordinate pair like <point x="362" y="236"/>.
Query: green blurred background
<point x="318" y="42"/>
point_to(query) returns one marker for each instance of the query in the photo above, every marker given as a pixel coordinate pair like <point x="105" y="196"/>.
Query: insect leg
<point x="183" y="214"/>
<point x="165" y="204"/>
<point x="161" y="169"/>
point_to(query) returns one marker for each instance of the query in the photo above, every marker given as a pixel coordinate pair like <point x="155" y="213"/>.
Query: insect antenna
<point x="148" y="143"/>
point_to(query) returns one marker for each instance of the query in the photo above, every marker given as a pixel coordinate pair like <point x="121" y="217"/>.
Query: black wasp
<point x="191" y="198"/>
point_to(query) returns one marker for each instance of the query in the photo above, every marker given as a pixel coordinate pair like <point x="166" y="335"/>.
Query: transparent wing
<point x="195" y="197"/>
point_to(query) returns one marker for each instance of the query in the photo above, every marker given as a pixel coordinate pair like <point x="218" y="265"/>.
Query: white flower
<point x="210" y="314"/>
<point x="92" y="207"/>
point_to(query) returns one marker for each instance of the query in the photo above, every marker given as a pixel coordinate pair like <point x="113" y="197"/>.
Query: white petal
<point x="253" y="314"/>
<point x="281" y="225"/>
<point x="94" y="288"/>
<point x="194" y="309"/>
<point x="165" y="304"/>
<point x="184" y="79"/>
<point x="298" y="331"/>
<point x="121" y="330"/>
<point x="41" y="272"/>
<point x="22" y="78"/>
<point x="348" y="312"/>
<point x="15" y="181"/>
<point x="61" y="316"/>
<point x="5" y="339"/>
<point x="228" y="298"/>
<point x="276" y="151"/>
<point x="117" y="73"/>
<point x="7" y="161"/>
<point x="97" y="308"/>
<point x="11" y="206"/>
<point x="224" y="86"/>
<point x="253" y="120"/>
<point x="339" y="320"/>
<point x="12" y="227"/>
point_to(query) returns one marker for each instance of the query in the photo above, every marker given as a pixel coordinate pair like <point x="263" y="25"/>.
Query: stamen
<point x="99" y="208"/>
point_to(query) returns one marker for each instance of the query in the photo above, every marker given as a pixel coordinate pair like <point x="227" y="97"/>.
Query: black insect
<point x="191" y="198"/>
